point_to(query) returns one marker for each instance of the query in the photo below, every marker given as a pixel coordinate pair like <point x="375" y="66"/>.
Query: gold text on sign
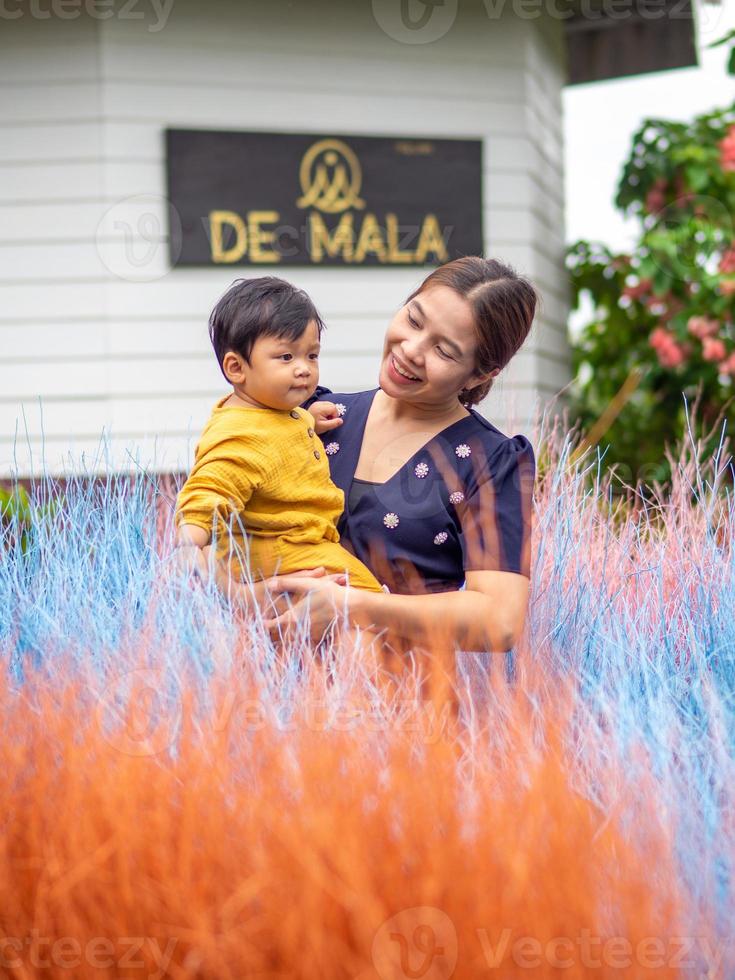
<point x="353" y="244"/>
<point x="351" y="241"/>
<point x="251" y="237"/>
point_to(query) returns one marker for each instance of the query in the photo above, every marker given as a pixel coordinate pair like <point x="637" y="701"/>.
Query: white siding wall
<point x="94" y="323"/>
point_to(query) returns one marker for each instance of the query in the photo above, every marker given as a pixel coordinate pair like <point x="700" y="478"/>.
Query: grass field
<point x="180" y="798"/>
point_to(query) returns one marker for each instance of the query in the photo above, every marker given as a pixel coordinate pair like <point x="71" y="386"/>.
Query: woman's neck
<point x="397" y="410"/>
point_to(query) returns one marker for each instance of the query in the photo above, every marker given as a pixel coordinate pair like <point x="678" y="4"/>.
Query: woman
<point x="437" y="500"/>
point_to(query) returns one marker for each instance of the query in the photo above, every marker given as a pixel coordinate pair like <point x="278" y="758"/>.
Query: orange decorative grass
<point x="228" y="845"/>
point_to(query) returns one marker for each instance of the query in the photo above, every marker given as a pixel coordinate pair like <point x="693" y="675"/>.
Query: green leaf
<point x="726" y="39"/>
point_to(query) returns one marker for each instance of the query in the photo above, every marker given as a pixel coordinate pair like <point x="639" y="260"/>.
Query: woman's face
<point x="433" y="339"/>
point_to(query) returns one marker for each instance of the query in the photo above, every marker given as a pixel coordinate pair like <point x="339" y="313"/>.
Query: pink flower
<point x="670" y="356"/>
<point x="641" y="288"/>
<point x="683" y="194"/>
<point x="656" y="197"/>
<point x="702" y="326"/>
<point x="656" y="305"/>
<point x="727" y="287"/>
<point x="669" y="353"/>
<point x="713" y="350"/>
<point x="727" y="262"/>
<point x="728" y="365"/>
<point x="620" y="263"/>
<point x="655" y="201"/>
<point x="727" y="150"/>
<point x="674" y="304"/>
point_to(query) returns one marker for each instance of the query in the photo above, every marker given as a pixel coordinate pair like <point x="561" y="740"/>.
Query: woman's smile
<point x="399" y="373"/>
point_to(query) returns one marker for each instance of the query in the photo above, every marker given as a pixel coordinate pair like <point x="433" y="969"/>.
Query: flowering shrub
<point x="664" y="310"/>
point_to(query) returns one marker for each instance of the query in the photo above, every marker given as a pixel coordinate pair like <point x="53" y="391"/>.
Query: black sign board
<point x="288" y="199"/>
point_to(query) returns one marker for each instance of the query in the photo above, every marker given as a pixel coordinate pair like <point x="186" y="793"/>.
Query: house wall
<point x="97" y="332"/>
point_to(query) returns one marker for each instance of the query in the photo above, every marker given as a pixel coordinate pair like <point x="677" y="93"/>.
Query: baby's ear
<point x="233" y="367"/>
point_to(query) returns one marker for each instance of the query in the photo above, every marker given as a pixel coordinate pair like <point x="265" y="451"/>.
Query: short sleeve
<point x="496" y="514"/>
<point x="319" y="393"/>
<point x="221" y="483"/>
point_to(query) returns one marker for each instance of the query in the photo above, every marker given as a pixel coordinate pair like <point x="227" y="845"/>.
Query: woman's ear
<point x="480" y="379"/>
<point x="234" y="368"/>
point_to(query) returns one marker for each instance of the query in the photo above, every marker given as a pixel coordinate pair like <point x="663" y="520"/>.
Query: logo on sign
<point x="330" y="177"/>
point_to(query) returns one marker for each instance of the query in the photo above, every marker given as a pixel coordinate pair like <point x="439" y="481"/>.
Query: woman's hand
<point x="270" y="595"/>
<point x="278" y="588"/>
<point x="325" y="415"/>
<point x="325" y="598"/>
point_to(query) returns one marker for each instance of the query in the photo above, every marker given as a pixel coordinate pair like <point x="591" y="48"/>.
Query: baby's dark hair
<point x="264" y="307"/>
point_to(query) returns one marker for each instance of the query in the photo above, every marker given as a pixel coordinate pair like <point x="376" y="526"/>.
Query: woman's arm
<point x="487" y="615"/>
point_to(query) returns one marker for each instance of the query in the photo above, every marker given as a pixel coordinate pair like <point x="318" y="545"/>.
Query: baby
<point x="260" y="484"/>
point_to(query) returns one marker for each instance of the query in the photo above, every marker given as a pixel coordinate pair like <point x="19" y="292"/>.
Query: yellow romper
<point x="261" y="481"/>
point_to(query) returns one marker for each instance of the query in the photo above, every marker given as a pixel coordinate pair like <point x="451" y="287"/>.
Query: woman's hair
<point x="263" y="307"/>
<point x="503" y="307"/>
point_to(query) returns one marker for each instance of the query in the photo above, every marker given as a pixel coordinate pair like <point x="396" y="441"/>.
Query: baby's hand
<point x="325" y="415"/>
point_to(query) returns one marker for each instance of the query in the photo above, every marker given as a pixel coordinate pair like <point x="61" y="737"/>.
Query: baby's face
<point x="283" y="373"/>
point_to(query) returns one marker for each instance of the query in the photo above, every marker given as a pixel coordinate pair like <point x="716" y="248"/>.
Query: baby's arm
<point x="209" y="488"/>
<point x="326" y="416"/>
<point x="190" y="540"/>
<point x="192" y="554"/>
<point x="192" y="536"/>
<point x="192" y="547"/>
<point x="217" y="489"/>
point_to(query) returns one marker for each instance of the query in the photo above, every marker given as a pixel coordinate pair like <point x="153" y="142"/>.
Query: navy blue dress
<point x="461" y="503"/>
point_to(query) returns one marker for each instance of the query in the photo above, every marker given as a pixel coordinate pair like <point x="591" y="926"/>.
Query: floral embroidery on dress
<point x="331" y="448"/>
<point x="341" y="409"/>
<point x="421" y="470"/>
<point x="441" y="537"/>
<point x="391" y="520"/>
<point x="456" y="498"/>
<point x="463" y="450"/>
